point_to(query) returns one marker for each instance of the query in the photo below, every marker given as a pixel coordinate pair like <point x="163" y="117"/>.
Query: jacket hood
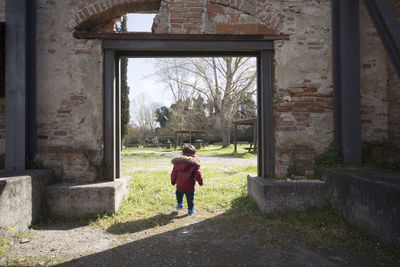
<point x="187" y="159"/>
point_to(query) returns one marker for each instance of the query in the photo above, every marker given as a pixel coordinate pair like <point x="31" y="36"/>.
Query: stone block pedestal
<point x="70" y="200"/>
<point x="274" y="195"/>
<point x="21" y="199"/>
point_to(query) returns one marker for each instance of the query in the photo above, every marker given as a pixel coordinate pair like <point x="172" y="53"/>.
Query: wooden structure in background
<point x="250" y="122"/>
<point x="179" y="135"/>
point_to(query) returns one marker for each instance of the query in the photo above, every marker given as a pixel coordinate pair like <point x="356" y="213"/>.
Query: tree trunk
<point x="225" y="132"/>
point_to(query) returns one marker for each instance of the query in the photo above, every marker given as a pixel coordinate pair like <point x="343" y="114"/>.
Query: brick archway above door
<point x="236" y="17"/>
<point x="96" y="13"/>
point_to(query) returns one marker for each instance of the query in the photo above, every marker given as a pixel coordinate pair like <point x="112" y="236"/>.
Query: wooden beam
<point x="388" y="27"/>
<point x="185" y="37"/>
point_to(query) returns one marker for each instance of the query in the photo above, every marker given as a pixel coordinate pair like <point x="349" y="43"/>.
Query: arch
<point x="100" y="12"/>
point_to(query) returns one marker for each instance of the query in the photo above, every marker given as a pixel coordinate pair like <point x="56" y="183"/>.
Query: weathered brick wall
<point x="69" y="94"/>
<point x="374" y="109"/>
<point x="70" y="126"/>
<point x="303" y="81"/>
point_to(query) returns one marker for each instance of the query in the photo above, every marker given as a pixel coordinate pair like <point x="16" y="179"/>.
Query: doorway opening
<point x="184" y="100"/>
<point x="212" y="50"/>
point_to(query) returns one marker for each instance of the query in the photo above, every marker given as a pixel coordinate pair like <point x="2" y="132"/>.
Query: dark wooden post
<point x="16" y="83"/>
<point x="109" y="115"/>
<point x="235" y="136"/>
<point x="346" y="77"/>
<point x="266" y="151"/>
<point x="255" y="135"/>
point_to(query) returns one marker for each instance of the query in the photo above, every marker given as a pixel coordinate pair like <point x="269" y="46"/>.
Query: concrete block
<point x="274" y="195"/>
<point x="21" y="199"/>
<point x="70" y="200"/>
<point x="368" y="199"/>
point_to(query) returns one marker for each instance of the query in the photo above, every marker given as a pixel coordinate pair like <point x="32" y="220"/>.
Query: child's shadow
<point x="140" y="225"/>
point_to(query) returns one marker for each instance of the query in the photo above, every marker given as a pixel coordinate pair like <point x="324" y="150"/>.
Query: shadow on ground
<point x="144" y="224"/>
<point x="230" y="239"/>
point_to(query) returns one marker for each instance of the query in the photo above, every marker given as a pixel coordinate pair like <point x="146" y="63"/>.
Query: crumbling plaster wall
<point x="69" y="94"/>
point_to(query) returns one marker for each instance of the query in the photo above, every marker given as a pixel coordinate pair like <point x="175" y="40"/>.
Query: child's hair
<point x="188" y="149"/>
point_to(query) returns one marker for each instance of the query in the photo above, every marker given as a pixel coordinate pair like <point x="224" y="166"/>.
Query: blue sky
<point x="141" y="78"/>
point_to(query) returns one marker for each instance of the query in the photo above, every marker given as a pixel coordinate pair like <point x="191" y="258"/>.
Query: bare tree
<point x="223" y="81"/>
<point x="173" y="74"/>
<point x="145" y="116"/>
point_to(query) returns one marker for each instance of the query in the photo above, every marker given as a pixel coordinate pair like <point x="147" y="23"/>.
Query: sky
<point x="141" y="73"/>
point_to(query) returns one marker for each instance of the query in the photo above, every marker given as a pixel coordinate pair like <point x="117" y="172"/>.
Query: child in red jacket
<point x="185" y="173"/>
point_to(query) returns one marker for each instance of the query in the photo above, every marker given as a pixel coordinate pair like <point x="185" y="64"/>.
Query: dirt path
<point x="200" y="240"/>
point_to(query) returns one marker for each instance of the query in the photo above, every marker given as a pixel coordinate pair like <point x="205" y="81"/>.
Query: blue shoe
<point x="192" y="211"/>
<point x="179" y="206"/>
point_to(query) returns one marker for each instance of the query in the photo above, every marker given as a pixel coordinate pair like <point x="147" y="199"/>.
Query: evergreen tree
<point x="124" y="88"/>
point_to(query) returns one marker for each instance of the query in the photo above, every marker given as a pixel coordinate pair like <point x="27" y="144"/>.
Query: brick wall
<point x="303" y="102"/>
<point x="373" y="72"/>
<point x="69" y="94"/>
<point x="70" y="114"/>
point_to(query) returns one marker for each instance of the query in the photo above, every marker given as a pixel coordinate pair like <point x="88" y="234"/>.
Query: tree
<point x="124" y="87"/>
<point x="145" y="116"/>
<point x="162" y="116"/>
<point x="222" y="81"/>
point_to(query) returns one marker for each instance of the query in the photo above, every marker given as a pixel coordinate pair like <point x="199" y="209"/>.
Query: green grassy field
<point x="151" y="192"/>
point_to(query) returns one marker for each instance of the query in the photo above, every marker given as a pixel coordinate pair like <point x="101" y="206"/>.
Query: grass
<point x="151" y="193"/>
<point x="4" y="246"/>
<point x="152" y="199"/>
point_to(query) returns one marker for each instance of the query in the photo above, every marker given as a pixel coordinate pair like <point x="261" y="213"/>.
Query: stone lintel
<point x="150" y="36"/>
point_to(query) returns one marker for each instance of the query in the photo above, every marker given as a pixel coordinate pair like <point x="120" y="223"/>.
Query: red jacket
<point x="186" y="172"/>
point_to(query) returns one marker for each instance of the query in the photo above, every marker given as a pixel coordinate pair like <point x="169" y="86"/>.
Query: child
<point x="185" y="173"/>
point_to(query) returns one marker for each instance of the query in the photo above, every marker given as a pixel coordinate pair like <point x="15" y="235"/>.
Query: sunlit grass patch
<point x="5" y="244"/>
<point x="213" y="150"/>
<point x="151" y="193"/>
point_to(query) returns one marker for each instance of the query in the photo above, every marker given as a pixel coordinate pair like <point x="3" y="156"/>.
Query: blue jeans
<point x="189" y="198"/>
